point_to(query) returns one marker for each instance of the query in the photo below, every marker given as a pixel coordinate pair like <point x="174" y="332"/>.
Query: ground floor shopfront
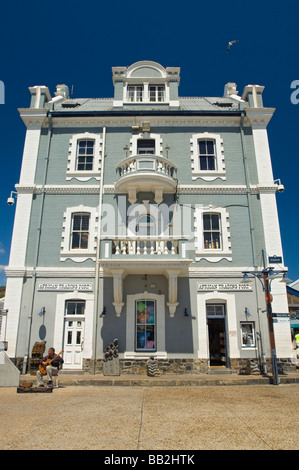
<point x="218" y="323"/>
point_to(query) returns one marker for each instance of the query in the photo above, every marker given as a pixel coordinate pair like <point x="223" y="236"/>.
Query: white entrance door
<point x="73" y="343"/>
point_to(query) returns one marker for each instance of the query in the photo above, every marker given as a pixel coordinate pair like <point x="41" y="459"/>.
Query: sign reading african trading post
<point x="66" y="287"/>
<point x="224" y="286"/>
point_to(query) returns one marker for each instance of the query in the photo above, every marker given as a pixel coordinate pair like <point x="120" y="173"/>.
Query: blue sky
<point x="77" y="43"/>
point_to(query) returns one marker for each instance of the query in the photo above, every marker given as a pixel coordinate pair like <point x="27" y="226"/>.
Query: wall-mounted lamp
<point x="104" y="313"/>
<point x="247" y="313"/>
<point x="285" y="278"/>
<point x="167" y="150"/>
<point x="126" y="149"/>
<point x="280" y="187"/>
<point x="11" y="200"/>
<point x="186" y="314"/>
<point x="42" y="311"/>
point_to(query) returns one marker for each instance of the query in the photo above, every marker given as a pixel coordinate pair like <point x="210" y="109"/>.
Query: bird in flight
<point x="230" y="44"/>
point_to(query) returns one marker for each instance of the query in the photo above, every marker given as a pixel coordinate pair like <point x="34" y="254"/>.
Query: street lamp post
<point x="265" y="276"/>
<point x="270" y="327"/>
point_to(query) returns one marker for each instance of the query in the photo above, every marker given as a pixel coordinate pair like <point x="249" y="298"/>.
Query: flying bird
<point x="230" y="44"/>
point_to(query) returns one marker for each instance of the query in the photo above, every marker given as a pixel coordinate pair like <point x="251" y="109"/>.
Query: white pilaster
<point x="13" y="298"/>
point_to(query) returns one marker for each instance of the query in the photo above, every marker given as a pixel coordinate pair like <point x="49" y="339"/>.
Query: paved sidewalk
<point x="122" y="418"/>
<point x="166" y="380"/>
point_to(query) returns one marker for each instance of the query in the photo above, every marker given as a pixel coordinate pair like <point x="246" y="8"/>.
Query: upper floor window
<point x="85" y="155"/>
<point x="157" y="93"/>
<point x="212" y="231"/>
<point x="79" y="225"/>
<point x="207" y="154"/>
<point x="145" y="93"/>
<point x="135" y="94"/>
<point x="84" y="159"/>
<point x="212" y="234"/>
<point x="151" y="144"/>
<point x="146" y="146"/>
<point x="145" y="226"/>
<point x="80" y="232"/>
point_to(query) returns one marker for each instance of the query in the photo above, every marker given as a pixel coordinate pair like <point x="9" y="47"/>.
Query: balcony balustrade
<point x="145" y="163"/>
<point x="144" y="172"/>
<point x="143" y="246"/>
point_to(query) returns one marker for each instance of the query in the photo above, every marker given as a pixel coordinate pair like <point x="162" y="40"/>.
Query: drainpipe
<point x="253" y="248"/>
<point x="98" y="255"/>
<point x="37" y="245"/>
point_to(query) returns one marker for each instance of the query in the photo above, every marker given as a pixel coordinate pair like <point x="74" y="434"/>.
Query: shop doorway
<point x="216" y="321"/>
<point x="74" y="334"/>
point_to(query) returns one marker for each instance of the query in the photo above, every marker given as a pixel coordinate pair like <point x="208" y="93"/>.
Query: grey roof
<point x="186" y="104"/>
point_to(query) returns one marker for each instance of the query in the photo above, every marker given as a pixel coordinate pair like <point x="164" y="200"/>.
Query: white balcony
<point x="145" y="173"/>
<point x="145" y="246"/>
<point x="121" y="256"/>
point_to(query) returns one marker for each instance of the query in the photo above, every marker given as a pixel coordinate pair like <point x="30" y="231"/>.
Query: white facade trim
<point x="13" y="297"/>
<point x="30" y="153"/>
<point x="20" y="231"/>
<point x="207" y="175"/>
<point x="81" y="175"/>
<point x="212" y="255"/>
<point x="131" y="326"/>
<point x="231" y="319"/>
<point x="87" y="317"/>
<point x="79" y="255"/>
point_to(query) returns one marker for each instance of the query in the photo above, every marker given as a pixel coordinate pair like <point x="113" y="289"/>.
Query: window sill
<point x="145" y="355"/>
<point x="213" y="256"/>
<point x="82" y="175"/>
<point x="79" y="256"/>
<point x="208" y="175"/>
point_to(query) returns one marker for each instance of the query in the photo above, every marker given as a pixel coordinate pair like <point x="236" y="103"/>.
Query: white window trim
<point x="131" y="325"/>
<point x="156" y="137"/>
<point x="231" y="318"/>
<point x="84" y="175"/>
<point x="254" y="346"/>
<point x="214" y="254"/>
<point x="87" y="317"/>
<point x="79" y="255"/>
<point x="207" y="175"/>
<point x="145" y="93"/>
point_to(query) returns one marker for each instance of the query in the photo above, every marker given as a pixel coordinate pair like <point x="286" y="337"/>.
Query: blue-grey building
<point x="135" y="218"/>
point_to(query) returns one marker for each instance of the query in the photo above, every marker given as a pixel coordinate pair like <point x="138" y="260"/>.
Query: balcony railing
<point x="146" y="173"/>
<point x="147" y="163"/>
<point x="144" y="246"/>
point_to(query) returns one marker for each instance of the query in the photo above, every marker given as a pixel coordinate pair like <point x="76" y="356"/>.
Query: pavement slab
<point x="80" y="417"/>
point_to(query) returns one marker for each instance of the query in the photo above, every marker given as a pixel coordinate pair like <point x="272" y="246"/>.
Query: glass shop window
<point x="145" y="325"/>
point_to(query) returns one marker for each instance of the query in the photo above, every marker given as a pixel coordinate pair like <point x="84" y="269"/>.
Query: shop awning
<point x="294" y="323"/>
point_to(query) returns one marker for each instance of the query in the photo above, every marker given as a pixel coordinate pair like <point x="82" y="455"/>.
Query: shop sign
<point x="224" y="287"/>
<point x="275" y="259"/>
<point x="65" y="287"/>
<point x="281" y="317"/>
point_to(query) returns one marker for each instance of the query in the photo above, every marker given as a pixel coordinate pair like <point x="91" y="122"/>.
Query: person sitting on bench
<point x="49" y="365"/>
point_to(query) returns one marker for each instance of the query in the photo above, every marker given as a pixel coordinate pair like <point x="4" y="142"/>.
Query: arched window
<point x="145" y="226"/>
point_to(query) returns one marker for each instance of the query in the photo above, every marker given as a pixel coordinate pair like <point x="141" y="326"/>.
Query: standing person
<point x="51" y="363"/>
